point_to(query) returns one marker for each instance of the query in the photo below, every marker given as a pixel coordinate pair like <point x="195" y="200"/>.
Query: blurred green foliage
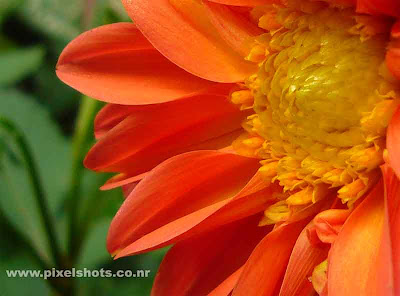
<point x="33" y="34"/>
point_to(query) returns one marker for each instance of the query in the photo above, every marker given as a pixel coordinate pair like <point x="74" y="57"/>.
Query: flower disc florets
<point x="323" y="98"/>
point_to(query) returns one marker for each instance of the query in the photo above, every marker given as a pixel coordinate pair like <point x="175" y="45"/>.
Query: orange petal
<point x="115" y="63"/>
<point x="181" y="31"/>
<point x="151" y="135"/>
<point x="388" y="271"/>
<point x="112" y="114"/>
<point x="329" y="223"/>
<point x="226" y="287"/>
<point x="379" y="7"/>
<point x="127" y="189"/>
<point x="312" y="209"/>
<point x="353" y="256"/>
<point x="234" y="28"/>
<point x="381" y="281"/>
<point x="303" y="260"/>
<point x="393" y="141"/>
<point x="393" y="52"/>
<point x="176" y="188"/>
<point x="248" y="3"/>
<point x="266" y="266"/>
<point x="395" y="32"/>
<point x="122" y="180"/>
<point x="343" y="3"/>
<point x="199" y="265"/>
<point x="132" y="176"/>
<point x="254" y="198"/>
<point x="392" y="186"/>
<point x="172" y="232"/>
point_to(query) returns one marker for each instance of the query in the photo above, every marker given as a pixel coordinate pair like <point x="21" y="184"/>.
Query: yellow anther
<point x="307" y="195"/>
<point x="242" y="97"/>
<point x="256" y="123"/>
<point x="319" y="277"/>
<point x="346" y="177"/>
<point x="386" y="155"/>
<point x="257" y="53"/>
<point x="268" y="21"/>
<point x="276" y="213"/>
<point x="268" y="170"/>
<point x="319" y="172"/>
<point x="247" y="145"/>
<point x="368" y="158"/>
<point x="352" y="190"/>
<point x="377" y="120"/>
<point x="301" y="198"/>
<point x="368" y="26"/>
<point x="333" y="177"/>
<point x="254" y="142"/>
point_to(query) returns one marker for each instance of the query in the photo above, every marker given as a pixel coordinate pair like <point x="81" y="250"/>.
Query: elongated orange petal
<point x="393" y="52"/>
<point x="115" y="63"/>
<point x="352" y="259"/>
<point x="393" y="209"/>
<point x="395" y="32"/>
<point x="389" y="278"/>
<point x="236" y="30"/>
<point x="342" y="3"/>
<point x="381" y="280"/>
<point x="112" y="114"/>
<point x="197" y="266"/>
<point x="248" y="3"/>
<point x="265" y="268"/>
<point x="181" y="31"/>
<point x="329" y="223"/>
<point x="302" y="262"/>
<point x="226" y="287"/>
<point x="378" y="7"/>
<point x="311" y="210"/>
<point x="254" y="198"/>
<point x="151" y="135"/>
<point x="210" y="144"/>
<point x="131" y="175"/>
<point x="393" y="141"/>
<point x="176" y="188"/>
<point x="122" y="180"/>
<point x="172" y="232"/>
<point x="127" y="189"/>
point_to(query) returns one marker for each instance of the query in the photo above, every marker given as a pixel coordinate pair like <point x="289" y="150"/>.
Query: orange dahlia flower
<point x="259" y="137"/>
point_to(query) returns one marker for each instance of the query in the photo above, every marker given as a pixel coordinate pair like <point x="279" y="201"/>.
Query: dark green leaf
<point x="57" y="19"/>
<point x="7" y="6"/>
<point x="18" y="63"/>
<point x="51" y="152"/>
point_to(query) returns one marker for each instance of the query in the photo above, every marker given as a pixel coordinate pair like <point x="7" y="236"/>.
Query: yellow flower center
<point x="322" y="98"/>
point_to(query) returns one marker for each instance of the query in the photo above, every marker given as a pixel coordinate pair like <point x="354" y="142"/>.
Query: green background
<point x="33" y="34"/>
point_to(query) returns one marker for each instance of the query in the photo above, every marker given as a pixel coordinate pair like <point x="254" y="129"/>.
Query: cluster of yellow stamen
<point x="322" y="98"/>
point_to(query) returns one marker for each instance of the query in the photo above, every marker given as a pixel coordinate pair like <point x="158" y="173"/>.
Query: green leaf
<point x="58" y="20"/>
<point x="52" y="153"/>
<point x="94" y="250"/>
<point x="6" y="7"/>
<point x="20" y="286"/>
<point x="119" y="10"/>
<point x="59" y="98"/>
<point x="18" y="63"/>
<point x="107" y="12"/>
